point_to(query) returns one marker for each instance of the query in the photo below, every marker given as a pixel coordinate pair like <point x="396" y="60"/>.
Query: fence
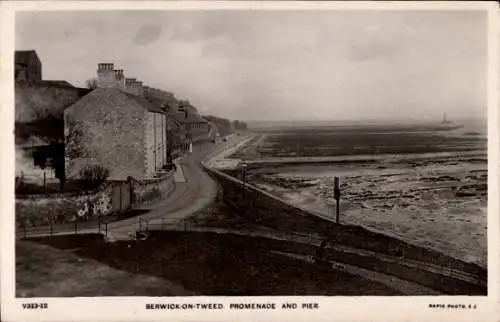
<point x="52" y="230"/>
<point x="270" y="211"/>
<point x="205" y="225"/>
<point x="41" y="180"/>
<point x="121" y="196"/>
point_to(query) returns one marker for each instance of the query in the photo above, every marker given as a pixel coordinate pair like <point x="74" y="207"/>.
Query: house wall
<point x="199" y="131"/>
<point x="39" y="113"/>
<point x="37" y="102"/>
<point x="97" y="132"/>
<point x="156" y="142"/>
<point x="29" y="71"/>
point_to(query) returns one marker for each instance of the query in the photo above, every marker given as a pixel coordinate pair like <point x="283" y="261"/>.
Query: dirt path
<point x="384" y="260"/>
<point x="403" y="286"/>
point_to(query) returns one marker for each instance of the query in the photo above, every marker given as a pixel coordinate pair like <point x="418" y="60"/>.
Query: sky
<point x="279" y="65"/>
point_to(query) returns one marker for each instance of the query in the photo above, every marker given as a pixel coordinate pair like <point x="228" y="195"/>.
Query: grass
<point x="43" y="271"/>
<point x="70" y="187"/>
<point x="204" y="263"/>
<point x="222" y="217"/>
<point x="213" y="264"/>
<point x="80" y="225"/>
<point x="265" y="211"/>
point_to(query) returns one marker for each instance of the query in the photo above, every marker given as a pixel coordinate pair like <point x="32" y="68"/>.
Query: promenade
<point x="194" y="190"/>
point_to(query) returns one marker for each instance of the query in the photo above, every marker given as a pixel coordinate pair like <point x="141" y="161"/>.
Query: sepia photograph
<point x="251" y="153"/>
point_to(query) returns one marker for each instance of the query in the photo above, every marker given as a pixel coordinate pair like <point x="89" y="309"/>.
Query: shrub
<point x="151" y="194"/>
<point x="93" y="175"/>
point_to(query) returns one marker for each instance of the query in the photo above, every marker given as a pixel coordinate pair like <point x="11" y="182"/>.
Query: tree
<point x="75" y="147"/>
<point x="236" y="124"/>
<point x="93" y="175"/>
<point x="55" y="157"/>
<point x="239" y="125"/>
<point x="91" y="83"/>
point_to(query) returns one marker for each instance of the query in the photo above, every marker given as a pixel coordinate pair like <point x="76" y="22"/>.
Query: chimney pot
<point x="106" y="76"/>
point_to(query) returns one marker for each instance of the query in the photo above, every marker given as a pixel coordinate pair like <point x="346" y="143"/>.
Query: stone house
<point x="116" y="127"/>
<point x="176" y="138"/>
<point x="197" y="128"/>
<point x="191" y="125"/>
<point x="27" y="68"/>
<point x="39" y="128"/>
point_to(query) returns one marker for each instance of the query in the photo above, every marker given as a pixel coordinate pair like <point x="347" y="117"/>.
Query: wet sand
<point x="435" y="200"/>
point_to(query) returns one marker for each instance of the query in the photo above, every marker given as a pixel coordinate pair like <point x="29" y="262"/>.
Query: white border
<point x="331" y="308"/>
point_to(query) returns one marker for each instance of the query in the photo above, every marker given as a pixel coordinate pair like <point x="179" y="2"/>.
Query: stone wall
<point x="265" y="209"/>
<point x="149" y="191"/>
<point x="63" y="208"/>
<point x="107" y="128"/>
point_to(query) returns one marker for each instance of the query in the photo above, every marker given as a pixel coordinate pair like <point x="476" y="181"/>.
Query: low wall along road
<point x="51" y="213"/>
<point x="270" y="211"/>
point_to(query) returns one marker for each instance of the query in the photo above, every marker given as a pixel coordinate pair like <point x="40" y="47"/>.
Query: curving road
<point x="194" y="189"/>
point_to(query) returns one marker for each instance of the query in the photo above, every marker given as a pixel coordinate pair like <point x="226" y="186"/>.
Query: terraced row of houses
<point x="127" y="127"/>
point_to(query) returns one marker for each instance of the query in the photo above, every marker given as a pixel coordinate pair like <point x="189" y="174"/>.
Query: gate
<point x="120" y="197"/>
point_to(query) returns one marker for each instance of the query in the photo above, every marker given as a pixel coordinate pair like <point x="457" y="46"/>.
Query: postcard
<point x="224" y="161"/>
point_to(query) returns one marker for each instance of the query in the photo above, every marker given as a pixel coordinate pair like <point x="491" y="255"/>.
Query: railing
<point x="75" y="228"/>
<point x="203" y="225"/>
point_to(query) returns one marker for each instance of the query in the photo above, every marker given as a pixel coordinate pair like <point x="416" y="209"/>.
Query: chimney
<point x="120" y="79"/>
<point x="133" y="86"/>
<point x="128" y="85"/>
<point x="106" y="76"/>
<point x="139" y="91"/>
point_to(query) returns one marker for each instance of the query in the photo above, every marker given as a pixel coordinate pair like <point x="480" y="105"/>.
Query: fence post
<point x="185" y="224"/>
<point x="121" y="201"/>
<point x="45" y="182"/>
<point x="131" y="190"/>
<point x="337" y="196"/>
<point x="50" y="226"/>
<point x="24" y="229"/>
<point x="106" y="227"/>
<point x="76" y="227"/>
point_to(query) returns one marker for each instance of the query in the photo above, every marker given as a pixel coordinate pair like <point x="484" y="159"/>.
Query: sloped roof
<point x="60" y="83"/>
<point x="193" y="111"/>
<point x="160" y="100"/>
<point x="190" y="116"/>
<point x="41" y="101"/>
<point x="173" y="122"/>
<point x="114" y="96"/>
<point x="142" y="101"/>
